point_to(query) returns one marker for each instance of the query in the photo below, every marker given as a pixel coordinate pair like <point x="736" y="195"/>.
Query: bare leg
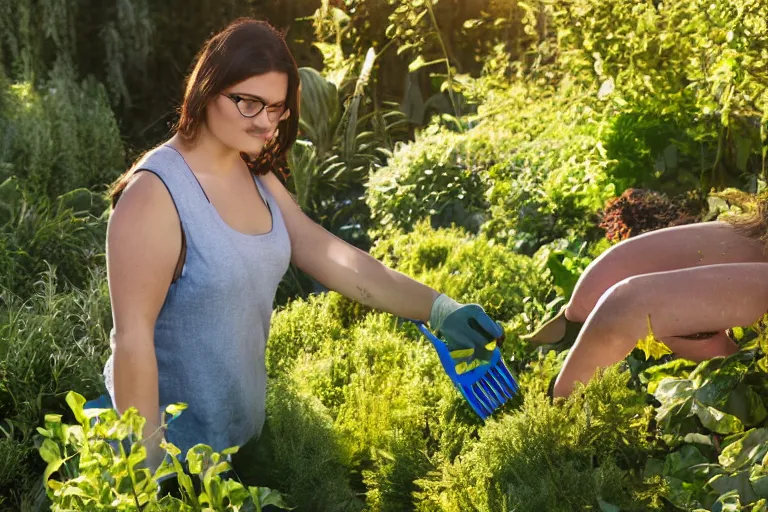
<point x="675" y="248"/>
<point x="701" y="350"/>
<point x="710" y="298"/>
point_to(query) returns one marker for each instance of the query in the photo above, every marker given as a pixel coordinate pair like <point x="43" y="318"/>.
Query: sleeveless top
<point x="212" y="330"/>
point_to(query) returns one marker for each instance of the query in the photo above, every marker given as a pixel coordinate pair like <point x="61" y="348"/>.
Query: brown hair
<point x="245" y="48"/>
<point x="753" y="222"/>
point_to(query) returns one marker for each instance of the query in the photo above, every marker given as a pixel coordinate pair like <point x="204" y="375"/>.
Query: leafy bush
<point x="527" y="173"/>
<point x="302" y="327"/>
<point x="299" y="453"/>
<point x="466" y="267"/>
<point x="67" y="233"/>
<point x="546" y="457"/>
<point x="713" y="416"/>
<point x="386" y="393"/>
<point x="92" y="469"/>
<point x="61" y="139"/>
<point x="436" y="176"/>
<point x="50" y="343"/>
<point x="698" y="65"/>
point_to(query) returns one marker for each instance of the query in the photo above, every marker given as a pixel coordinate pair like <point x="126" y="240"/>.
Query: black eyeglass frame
<point x="237" y="98"/>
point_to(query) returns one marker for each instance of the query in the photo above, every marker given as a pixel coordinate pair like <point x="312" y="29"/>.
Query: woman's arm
<point x="143" y="246"/>
<point x="346" y="269"/>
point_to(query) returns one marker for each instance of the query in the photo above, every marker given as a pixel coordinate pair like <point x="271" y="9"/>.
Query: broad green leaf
<point x="748" y="449"/>
<point x="50" y="469"/>
<point x="698" y="439"/>
<point x="728" y="502"/>
<point x="50" y="451"/>
<point x="739" y="483"/>
<point x="759" y="485"/>
<point x="266" y="496"/>
<point x="678" y="464"/>
<point x="76" y="402"/>
<point x="195" y="460"/>
<point x="718" y="421"/>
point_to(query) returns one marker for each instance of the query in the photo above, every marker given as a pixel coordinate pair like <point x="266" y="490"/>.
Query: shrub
<point x="299" y="453"/>
<point x="61" y="138"/>
<point x="304" y="326"/>
<point x="50" y="343"/>
<point x="546" y="457"/>
<point x="436" y="176"/>
<point x="67" y="233"/>
<point x="466" y="267"/>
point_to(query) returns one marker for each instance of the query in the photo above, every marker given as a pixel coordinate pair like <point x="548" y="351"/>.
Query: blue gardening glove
<point x="468" y="331"/>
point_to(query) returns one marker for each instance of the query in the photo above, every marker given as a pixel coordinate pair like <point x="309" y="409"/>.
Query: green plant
<point x="302" y="327"/>
<point x="712" y="416"/>
<point x="343" y="137"/>
<point x="695" y="64"/>
<point x="437" y="176"/>
<point x="546" y="457"/>
<point x="67" y="233"/>
<point x="61" y="139"/>
<point x="298" y="451"/>
<point x="51" y="342"/>
<point x="96" y="470"/>
<point x="466" y="267"/>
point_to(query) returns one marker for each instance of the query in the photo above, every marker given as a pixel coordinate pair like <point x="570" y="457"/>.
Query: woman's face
<point x="244" y="117"/>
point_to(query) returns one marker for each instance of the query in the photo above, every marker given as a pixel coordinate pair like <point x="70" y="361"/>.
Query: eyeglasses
<point x="251" y="107"/>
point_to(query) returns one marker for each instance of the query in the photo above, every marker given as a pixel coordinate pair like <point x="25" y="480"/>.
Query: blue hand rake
<point x="486" y="387"/>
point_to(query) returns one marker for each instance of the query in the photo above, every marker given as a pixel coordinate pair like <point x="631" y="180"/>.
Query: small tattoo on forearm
<point x="365" y="295"/>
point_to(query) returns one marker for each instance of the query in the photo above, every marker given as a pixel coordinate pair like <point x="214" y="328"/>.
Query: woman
<point x="201" y="234"/>
<point x="700" y="278"/>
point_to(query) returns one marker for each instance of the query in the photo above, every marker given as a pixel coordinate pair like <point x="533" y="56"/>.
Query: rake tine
<point x="498" y="377"/>
<point x="478" y="404"/>
<point x="486" y="389"/>
<point x="507" y="377"/>
<point x="498" y="386"/>
<point x="489" y="393"/>
<point x="482" y="399"/>
<point x="497" y="393"/>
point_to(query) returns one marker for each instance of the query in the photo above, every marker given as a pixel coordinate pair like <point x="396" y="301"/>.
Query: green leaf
<point x="651" y="347"/>
<point x="679" y="464"/>
<point x="419" y="63"/>
<point x="698" y="439"/>
<point x="718" y="421"/>
<point x="50" y="451"/>
<point x="677" y="368"/>
<point x="76" y="402"/>
<point x="747" y="449"/>
<point x="266" y="496"/>
<point x="51" y="468"/>
<point x="738" y="483"/>
<point x="195" y="460"/>
<point x="175" y="410"/>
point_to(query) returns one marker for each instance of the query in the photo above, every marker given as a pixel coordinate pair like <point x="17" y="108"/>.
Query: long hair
<point x="753" y="221"/>
<point x="245" y="48"/>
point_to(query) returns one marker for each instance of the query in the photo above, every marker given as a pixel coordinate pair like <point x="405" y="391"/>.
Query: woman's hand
<point x="468" y="331"/>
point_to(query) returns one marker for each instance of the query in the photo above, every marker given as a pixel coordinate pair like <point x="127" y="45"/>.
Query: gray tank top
<point x="212" y="329"/>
